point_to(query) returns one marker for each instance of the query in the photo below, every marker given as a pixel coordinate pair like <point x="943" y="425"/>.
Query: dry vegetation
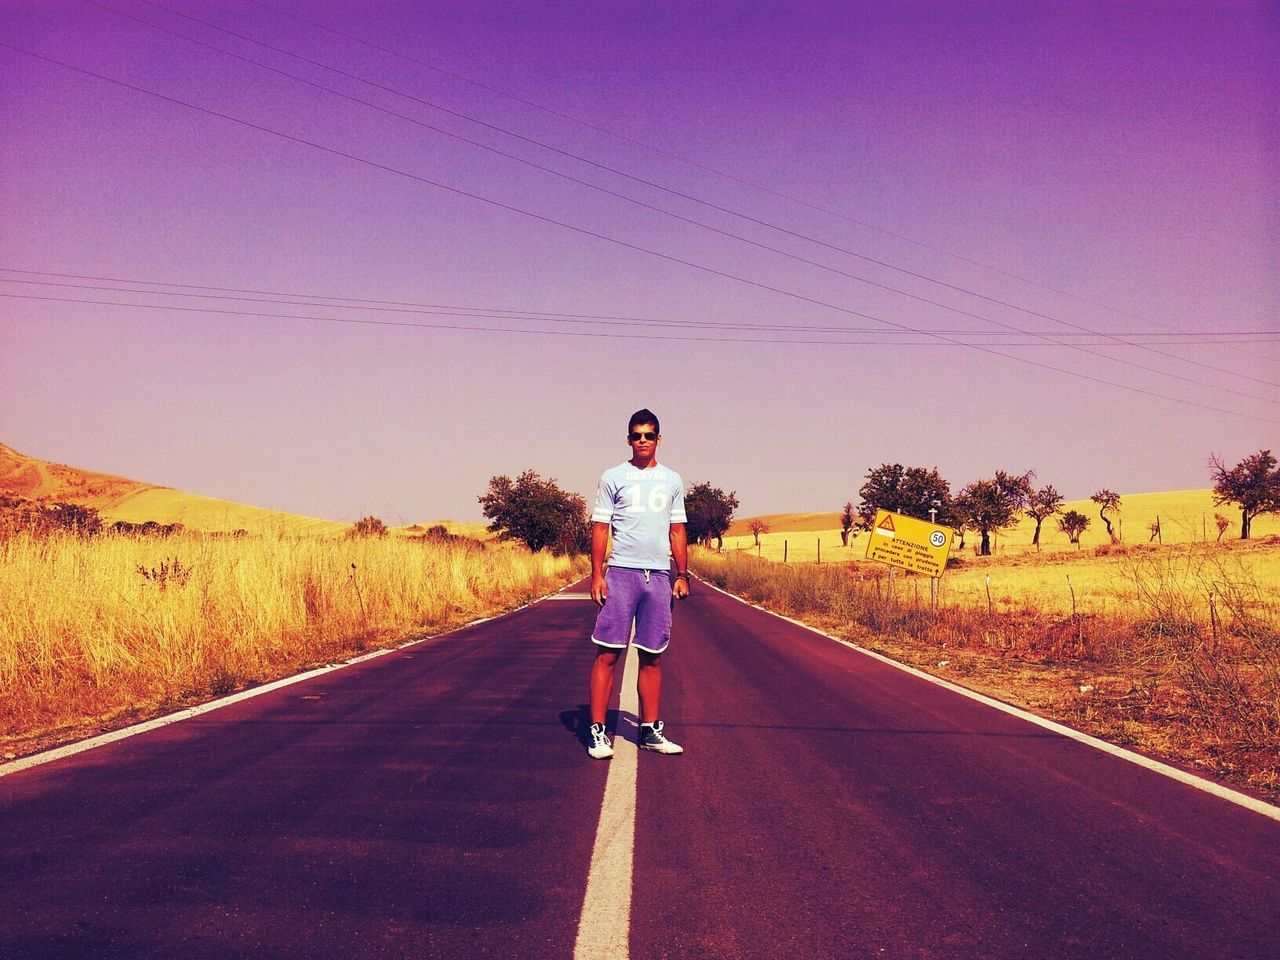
<point x="97" y="631"/>
<point x="1175" y="649"/>
<point x="1186" y="516"/>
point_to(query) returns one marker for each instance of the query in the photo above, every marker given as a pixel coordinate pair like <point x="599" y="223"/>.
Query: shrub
<point x="18" y="515"/>
<point x="369" y="527"/>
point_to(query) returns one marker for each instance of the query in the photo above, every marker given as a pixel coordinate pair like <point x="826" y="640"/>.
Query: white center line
<point x="604" y="931"/>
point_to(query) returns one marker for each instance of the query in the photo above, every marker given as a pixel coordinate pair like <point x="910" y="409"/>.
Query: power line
<point x="505" y="313"/>
<point x="928" y="300"/>
<point x="585" y="183"/>
<point x="614" y="240"/>
<point x="470" y="328"/>
<point x="727" y="176"/>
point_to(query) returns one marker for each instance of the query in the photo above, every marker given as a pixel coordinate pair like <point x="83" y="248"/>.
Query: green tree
<point x="1109" y="502"/>
<point x="1044" y="503"/>
<point x="911" y="491"/>
<point x="1073" y="523"/>
<point x="757" y="527"/>
<point x="989" y="505"/>
<point x="709" y="511"/>
<point x="538" y="513"/>
<point x="1253" y="485"/>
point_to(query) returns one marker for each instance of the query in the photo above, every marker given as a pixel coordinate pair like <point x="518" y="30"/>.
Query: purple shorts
<point x="640" y="595"/>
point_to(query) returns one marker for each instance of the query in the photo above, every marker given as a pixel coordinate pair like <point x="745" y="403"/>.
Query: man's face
<point x="644" y="440"/>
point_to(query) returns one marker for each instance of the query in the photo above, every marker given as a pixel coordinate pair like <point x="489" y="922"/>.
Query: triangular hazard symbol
<point x="886" y="523"/>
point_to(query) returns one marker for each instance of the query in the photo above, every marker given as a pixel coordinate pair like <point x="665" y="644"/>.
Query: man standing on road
<point x="642" y="505"/>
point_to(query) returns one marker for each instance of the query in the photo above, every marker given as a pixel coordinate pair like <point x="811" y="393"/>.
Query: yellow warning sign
<point x="915" y="545"/>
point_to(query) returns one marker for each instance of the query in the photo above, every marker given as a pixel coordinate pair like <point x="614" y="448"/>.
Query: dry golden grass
<point x="1186" y="516"/>
<point x="114" y="626"/>
<point x="1107" y="579"/>
<point x="787" y="523"/>
<point x="475" y="531"/>
<point x="1018" y="578"/>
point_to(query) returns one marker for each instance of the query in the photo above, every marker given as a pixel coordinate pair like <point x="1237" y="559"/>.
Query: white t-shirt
<point x="640" y="506"/>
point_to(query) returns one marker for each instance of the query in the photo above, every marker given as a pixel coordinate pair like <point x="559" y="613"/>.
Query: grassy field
<point x="1093" y="578"/>
<point x="97" y="631"/>
<point x="1186" y="516"/>
<point x="1174" y="649"/>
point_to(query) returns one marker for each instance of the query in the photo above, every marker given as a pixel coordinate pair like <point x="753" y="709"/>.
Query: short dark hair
<point x="644" y="415"/>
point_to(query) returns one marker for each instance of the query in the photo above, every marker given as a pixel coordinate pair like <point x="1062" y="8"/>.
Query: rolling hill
<point x="118" y="498"/>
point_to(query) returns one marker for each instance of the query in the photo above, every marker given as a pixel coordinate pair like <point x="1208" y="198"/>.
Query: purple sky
<point x="1112" y="166"/>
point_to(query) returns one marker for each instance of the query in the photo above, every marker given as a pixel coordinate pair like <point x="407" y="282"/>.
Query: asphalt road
<point x="437" y="802"/>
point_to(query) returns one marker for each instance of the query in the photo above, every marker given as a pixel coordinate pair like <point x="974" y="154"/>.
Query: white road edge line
<point x="1182" y="776"/>
<point x="604" y="929"/>
<point x="80" y="746"/>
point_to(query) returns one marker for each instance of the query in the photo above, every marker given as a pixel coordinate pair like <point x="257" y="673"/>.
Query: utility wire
<point x="706" y="167"/>
<point x="697" y="223"/>
<point x="610" y="239"/>
<point x="503" y="313"/>
<point x="585" y="183"/>
<point x="719" y="173"/>
<point x="471" y="328"/>
<point x="545" y="313"/>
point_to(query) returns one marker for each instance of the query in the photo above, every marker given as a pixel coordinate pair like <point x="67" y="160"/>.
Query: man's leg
<point x="611" y="635"/>
<point x="602" y="683"/>
<point x="649" y="685"/>
<point x="653" y="632"/>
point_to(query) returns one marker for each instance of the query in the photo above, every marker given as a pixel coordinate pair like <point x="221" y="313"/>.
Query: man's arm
<point x="680" y="552"/>
<point x="599" y="546"/>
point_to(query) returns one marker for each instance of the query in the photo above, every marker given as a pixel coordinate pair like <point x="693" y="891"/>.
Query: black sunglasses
<point x="641" y="435"/>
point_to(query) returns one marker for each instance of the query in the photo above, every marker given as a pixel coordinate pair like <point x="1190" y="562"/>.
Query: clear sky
<point x="1003" y="236"/>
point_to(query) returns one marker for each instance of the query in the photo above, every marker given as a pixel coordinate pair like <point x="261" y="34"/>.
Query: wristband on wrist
<point x="683" y="576"/>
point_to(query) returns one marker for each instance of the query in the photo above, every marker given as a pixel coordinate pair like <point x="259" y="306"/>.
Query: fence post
<point x="988" y="594"/>
<point x="819" y="549"/>
<point x="784" y="551"/>
<point x="1075" y="618"/>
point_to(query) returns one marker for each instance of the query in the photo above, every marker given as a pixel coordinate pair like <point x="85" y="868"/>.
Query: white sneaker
<point x="652" y="738"/>
<point x="600" y="748"/>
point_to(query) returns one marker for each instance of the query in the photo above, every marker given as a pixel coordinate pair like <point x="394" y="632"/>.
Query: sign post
<point x="933" y="581"/>
<point x="915" y="545"/>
